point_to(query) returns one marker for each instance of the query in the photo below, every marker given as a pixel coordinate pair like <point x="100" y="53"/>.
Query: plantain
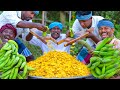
<point x="15" y="73"/>
<point x="12" y="73"/>
<point x="30" y="68"/>
<point x="19" y="76"/>
<point x="98" y="71"/>
<point x="22" y="65"/>
<point x="6" y="73"/>
<point x="22" y="57"/>
<point x="12" y="41"/>
<point x="103" y="69"/>
<point x="24" y="71"/>
<point x="19" y="63"/>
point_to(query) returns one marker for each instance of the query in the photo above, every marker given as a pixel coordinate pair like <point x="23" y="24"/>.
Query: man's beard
<point x="52" y="34"/>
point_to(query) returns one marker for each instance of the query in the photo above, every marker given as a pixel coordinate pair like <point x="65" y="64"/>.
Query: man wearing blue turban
<point x="84" y="21"/>
<point x="106" y="29"/>
<point x="55" y="32"/>
<point x="22" y="21"/>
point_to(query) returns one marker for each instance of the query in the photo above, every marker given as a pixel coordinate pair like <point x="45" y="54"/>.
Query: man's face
<point x="105" y="31"/>
<point x="86" y="23"/>
<point x="27" y="15"/>
<point x="55" y="32"/>
<point x="8" y="34"/>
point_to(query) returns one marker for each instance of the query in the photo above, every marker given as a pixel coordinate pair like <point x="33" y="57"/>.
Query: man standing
<point x="22" y="21"/>
<point x="55" y="32"/>
<point x="84" y="21"/>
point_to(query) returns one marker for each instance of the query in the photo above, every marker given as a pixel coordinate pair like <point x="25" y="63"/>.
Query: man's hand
<point x="68" y="33"/>
<point x="90" y="33"/>
<point x="41" y="27"/>
<point x="68" y="39"/>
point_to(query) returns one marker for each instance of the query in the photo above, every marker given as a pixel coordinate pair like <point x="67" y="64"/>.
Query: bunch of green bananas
<point x="12" y="64"/>
<point x="105" y="62"/>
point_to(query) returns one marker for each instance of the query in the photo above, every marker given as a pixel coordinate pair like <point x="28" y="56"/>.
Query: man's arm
<point x="26" y="24"/>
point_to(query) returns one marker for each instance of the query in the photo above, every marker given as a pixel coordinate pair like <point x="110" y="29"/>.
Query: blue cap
<point x="54" y="24"/>
<point x="36" y="12"/>
<point x="105" y="22"/>
<point x="84" y="17"/>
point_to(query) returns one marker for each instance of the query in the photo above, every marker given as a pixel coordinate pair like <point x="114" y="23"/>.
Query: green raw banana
<point x="96" y="53"/>
<point x="4" y="63"/>
<point x="15" y="73"/>
<point x="95" y="65"/>
<point x="89" y="65"/>
<point x="2" y="52"/>
<point x="98" y="71"/>
<point x="110" y="70"/>
<point x="6" y="73"/>
<point x="5" y="46"/>
<point x="10" y="62"/>
<point x="109" y="75"/>
<point x="103" y="69"/>
<point x="110" y="53"/>
<point x="101" y="76"/>
<point x="104" y="49"/>
<point x="101" y="65"/>
<point x="15" y="61"/>
<point x="112" y="66"/>
<point x="3" y="59"/>
<point x="24" y="71"/>
<point x="19" y="76"/>
<point x="109" y="45"/>
<point x="93" y="59"/>
<point x="45" y="33"/>
<point x="30" y="68"/>
<point x="94" y="73"/>
<point x="117" y="53"/>
<point x="84" y="43"/>
<point x="6" y="77"/>
<point x="15" y="51"/>
<point x="71" y="33"/>
<point x="103" y="42"/>
<point x="106" y="60"/>
<point x="22" y="57"/>
<point x="13" y="47"/>
<point x="19" y="63"/>
<point x="12" y="41"/>
<point x="12" y="72"/>
<point x="22" y="65"/>
<point x="7" y="53"/>
<point x="111" y="62"/>
<point x="110" y="49"/>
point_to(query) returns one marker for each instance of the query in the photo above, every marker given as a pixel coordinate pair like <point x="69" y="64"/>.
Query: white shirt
<point x="46" y="48"/>
<point x="78" y="30"/>
<point x="13" y="17"/>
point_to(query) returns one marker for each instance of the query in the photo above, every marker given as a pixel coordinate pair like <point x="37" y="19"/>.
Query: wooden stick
<point x="40" y="38"/>
<point x="74" y="40"/>
<point x="81" y="37"/>
<point x="61" y="41"/>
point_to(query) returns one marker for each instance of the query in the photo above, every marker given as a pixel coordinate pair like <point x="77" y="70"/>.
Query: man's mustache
<point x="55" y="33"/>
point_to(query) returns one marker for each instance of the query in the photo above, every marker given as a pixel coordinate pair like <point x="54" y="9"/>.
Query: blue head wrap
<point x="84" y="17"/>
<point x="36" y="12"/>
<point x="105" y="23"/>
<point x="54" y="24"/>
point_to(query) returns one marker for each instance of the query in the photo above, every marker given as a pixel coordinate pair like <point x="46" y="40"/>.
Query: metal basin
<point x="81" y="77"/>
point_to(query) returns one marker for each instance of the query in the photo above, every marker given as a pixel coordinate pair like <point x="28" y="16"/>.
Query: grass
<point x="35" y="50"/>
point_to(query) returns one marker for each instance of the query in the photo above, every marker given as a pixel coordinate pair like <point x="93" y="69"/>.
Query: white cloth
<point x="13" y="17"/>
<point x="45" y="48"/>
<point x="78" y="30"/>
